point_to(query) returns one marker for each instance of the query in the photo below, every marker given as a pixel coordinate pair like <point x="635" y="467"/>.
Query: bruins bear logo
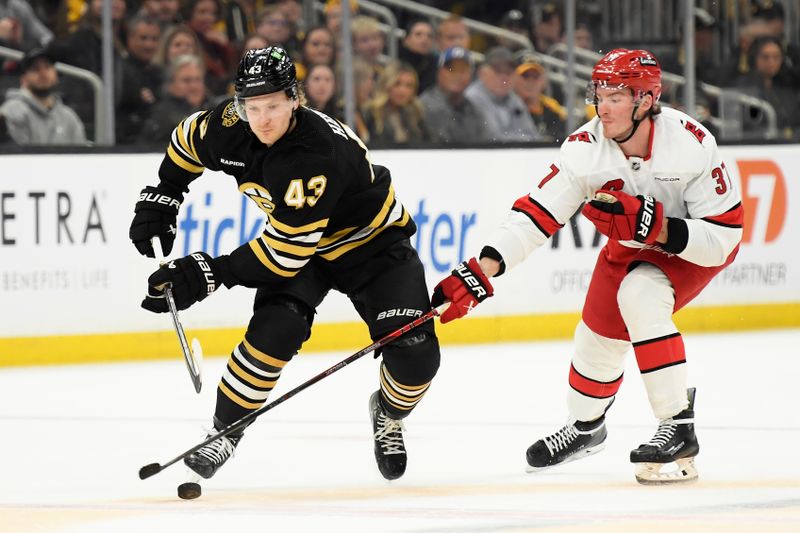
<point x="229" y="115"/>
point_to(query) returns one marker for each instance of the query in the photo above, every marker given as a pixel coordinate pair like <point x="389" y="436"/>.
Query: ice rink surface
<point x="73" y="439"/>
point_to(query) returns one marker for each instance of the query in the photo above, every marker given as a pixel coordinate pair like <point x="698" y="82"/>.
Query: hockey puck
<point x="189" y="491"/>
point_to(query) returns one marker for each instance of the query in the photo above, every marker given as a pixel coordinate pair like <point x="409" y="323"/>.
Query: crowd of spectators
<point x="174" y="57"/>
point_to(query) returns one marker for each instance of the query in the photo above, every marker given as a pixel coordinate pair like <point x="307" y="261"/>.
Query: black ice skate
<point x="208" y="459"/>
<point x="674" y="441"/>
<point x="574" y="441"/>
<point x="390" y="452"/>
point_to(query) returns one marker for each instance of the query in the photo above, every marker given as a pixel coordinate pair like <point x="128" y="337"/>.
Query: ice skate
<point x="674" y="442"/>
<point x="208" y="459"/>
<point x="574" y="441"/>
<point x="390" y="452"/>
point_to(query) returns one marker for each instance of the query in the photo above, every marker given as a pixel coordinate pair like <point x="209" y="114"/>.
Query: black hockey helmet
<point x="264" y="71"/>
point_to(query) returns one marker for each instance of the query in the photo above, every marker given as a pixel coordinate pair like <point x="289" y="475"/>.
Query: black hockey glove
<point x="192" y="279"/>
<point x="156" y="214"/>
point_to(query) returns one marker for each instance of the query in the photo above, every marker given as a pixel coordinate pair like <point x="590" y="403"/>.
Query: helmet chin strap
<point x="636" y="123"/>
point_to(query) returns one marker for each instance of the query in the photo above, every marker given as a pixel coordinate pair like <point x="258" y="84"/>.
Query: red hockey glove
<point x="465" y="287"/>
<point x="623" y="217"/>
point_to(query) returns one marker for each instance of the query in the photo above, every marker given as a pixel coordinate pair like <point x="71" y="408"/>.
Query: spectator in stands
<point x="320" y="89"/>
<point x="417" y="51"/>
<point x="549" y="28"/>
<point x="273" y="25"/>
<point x="738" y="65"/>
<point x="20" y="28"/>
<point x="166" y="12"/>
<point x="218" y="54"/>
<point x="317" y="49"/>
<point x="452" y="32"/>
<point x="530" y="82"/>
<point x="84" y="46"/>
<point x="333" y="17"/>
<point x="141" y="79"/>
<point x="515" y="21"/>
<point x="364" y="87"/>
<point x="368" y="42"/>
<point x="395" y="116"/>
<point x="584" y="34"/>
<point x="83" y="49"/>
<point x="706" y="67"/>
<point x="184" y="93"/>
<point x="768" y="78"/>
<point x="253" y="41"/>
<point x="293" y="9"/>
<point x="505" y="115"/>
<point x="34" y="113"/>
<point x="451" y="117"/>
<point x="177" y="41"/>
<point x="773" y="14"/>
<point x="239" y="18"/>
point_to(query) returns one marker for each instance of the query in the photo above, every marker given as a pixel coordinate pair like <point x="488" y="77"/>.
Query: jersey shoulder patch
<point x="229" y="116"/>
<point x="697" y="132"/>
<point x="581" y="137"/>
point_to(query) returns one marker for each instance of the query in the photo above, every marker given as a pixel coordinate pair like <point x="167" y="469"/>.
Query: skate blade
<point x="652" y="474"/>
<point x="586" y="452"/>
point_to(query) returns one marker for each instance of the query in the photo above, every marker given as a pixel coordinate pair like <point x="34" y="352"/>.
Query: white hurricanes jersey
<point x="682" y="170"/>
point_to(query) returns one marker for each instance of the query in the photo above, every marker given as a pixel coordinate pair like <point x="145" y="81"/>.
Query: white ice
<point x="73" y="438"/>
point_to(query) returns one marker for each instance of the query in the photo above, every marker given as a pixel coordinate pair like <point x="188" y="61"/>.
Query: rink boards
<point x="71" y="282"/>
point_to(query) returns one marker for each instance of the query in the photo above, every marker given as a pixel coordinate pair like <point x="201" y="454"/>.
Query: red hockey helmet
<point x="635" y="69"/>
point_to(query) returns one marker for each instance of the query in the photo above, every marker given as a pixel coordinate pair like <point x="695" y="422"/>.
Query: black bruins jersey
<point x="322" y="196"/>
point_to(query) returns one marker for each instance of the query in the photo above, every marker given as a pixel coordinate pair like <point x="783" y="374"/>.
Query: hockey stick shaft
<point x="191" y="363"/>
<point x="154" y="468"/>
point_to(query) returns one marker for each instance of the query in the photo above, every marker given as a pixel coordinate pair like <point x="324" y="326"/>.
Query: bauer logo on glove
<point x="465" y="287"/>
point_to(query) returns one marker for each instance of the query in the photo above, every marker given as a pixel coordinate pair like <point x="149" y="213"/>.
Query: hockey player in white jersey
<point x="658" y="189"/>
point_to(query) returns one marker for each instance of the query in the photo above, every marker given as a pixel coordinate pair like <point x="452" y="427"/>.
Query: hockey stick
<point x="194" y="355"/>
<point x="154" y="468"/>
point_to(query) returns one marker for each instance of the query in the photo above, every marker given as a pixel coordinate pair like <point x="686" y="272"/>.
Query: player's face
<point x="269" y="115"/>
<point x="614" y="107"/>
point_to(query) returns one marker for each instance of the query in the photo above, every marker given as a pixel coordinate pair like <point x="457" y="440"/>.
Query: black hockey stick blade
<point x="149" y="470"/>
<point x="154" y="468"/>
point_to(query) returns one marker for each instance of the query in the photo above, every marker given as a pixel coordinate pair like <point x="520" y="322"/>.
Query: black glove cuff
<point x="222" y="265"/>
<point x="677" y="236"/>
<point x="492" y="253"/>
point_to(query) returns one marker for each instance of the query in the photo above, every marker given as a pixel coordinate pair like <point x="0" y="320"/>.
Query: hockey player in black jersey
<point x="333" y="222"/>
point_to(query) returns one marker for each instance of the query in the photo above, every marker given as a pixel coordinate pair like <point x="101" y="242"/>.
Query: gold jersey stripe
<point x="193" y="151"/>
<point x="339" y="235"/>
<point x="294" y="249"/>
<point x="266" y="383"/>
<point x="291" y="230"/>
<point x="380" y="218"/>
<point x="182" y="162"/>
<point x="374" y="223"/>
<point x="264" y="358"/>
<point x="338" y="252"/>
<point x="267" y="262"/>
<point x="182" y="140"/>
<point x="237" y="399"/>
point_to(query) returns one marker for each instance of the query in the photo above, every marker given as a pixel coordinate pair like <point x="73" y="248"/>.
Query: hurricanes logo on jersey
<point x="259" y="195"/>
<point x="229" y="115"/>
